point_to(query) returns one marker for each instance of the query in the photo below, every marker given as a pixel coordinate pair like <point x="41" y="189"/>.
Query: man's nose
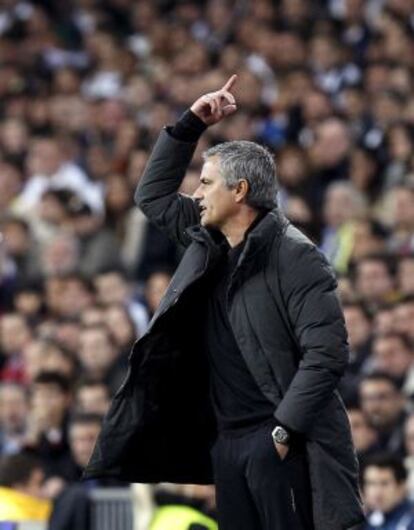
<point x="197" y="195"/>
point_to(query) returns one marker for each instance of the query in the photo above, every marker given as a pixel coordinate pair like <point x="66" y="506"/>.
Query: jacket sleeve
<point x="157" y="192"/>
<point x="308" y="288"/>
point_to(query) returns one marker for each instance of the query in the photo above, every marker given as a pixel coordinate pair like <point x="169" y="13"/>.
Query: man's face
<point x="381" y="490"/>
<point x="93" y="399"/>
<point x="14" y="333"/>
<point x="363" y="435"/>
<point x="373" y="280"/>
<point x="392" y="356"/>
<point x="155" y="289"/>
<point x="13" y="409"/>
<point x="50" y="401"/>
<point x="381" y="403"/>
<point x="34" y="485"/>
<point x="111" y="288"/>
<point x="406" y="275"/>
<point x="357" y="325"/>
<point x="82" y="441"/>
<point x="217" y="203"/>
<point x="96" y="352"/>
<point x="404" y="317"/>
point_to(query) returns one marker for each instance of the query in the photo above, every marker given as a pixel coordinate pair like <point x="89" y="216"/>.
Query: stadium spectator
<point x="21" y="490"/>
<point x="364" y="436"/>
<point x="393" y="353"/>
<point x="373" y="280"/>
<point x="385" y="493"/>
<point x="112" y="287"/>
<point x="15" y="334"/>
<point x="46" y="435"/>
<point x="92" y="396"/>
<point x="359" y="326"/>
<point x="13" y="417"/>
<point x="384" y="406"/>
<point x="73" y="507"/>
<point x="405" y="275"/>
<point x="99" y="356"/>
<point x="404" y="316"/>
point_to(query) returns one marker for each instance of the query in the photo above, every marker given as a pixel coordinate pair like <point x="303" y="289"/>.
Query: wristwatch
<point x="280" y="435"/>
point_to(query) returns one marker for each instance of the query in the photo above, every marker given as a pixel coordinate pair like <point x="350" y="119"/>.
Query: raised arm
<point x="157" y="192"/>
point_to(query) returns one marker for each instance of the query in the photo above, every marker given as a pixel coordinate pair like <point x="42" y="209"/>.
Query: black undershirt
<point x="238" y="402"/>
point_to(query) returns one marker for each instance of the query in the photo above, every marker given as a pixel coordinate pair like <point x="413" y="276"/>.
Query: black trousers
<point x="255" y="488"/>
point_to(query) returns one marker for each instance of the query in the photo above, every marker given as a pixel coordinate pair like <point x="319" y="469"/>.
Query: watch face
<point x="280" y="435"/>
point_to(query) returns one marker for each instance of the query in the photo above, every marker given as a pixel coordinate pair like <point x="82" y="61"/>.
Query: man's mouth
<point x="202" y="209"/>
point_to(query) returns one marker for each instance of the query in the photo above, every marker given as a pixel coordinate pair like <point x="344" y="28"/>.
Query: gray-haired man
<point x="250" y="327"/>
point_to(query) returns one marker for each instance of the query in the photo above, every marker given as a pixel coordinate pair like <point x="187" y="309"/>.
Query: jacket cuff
<point x="293" y="435"/>
<point x="188" y="128"/>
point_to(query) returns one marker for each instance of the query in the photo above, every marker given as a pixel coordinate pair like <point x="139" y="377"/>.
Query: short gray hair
<point x="243" y="160"/>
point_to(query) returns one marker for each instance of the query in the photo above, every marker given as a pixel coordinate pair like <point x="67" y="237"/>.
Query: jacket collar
<point x="272" y="224"/>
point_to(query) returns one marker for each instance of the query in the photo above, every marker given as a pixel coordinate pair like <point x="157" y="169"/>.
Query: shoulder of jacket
<point x="297" y="251"/>
<point x="293" y="242"/>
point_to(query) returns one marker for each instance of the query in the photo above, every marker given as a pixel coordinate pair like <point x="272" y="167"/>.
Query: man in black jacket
<point x="255" y="296"/>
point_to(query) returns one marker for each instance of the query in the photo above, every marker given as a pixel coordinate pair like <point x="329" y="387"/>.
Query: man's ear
<point x="242" y="189"/>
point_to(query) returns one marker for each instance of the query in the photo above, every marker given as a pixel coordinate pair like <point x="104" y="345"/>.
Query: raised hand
<point x="214" y="106"/>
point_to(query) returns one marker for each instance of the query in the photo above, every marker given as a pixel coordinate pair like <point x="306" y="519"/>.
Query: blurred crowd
<point x="85" y="87"/>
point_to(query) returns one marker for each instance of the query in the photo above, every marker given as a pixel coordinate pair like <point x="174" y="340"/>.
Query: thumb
<point x="229" y="109"/>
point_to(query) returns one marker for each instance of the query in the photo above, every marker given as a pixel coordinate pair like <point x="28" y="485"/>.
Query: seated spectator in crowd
<point x="364" y="436"/>
<point x="373" y="280"/>
<point x="99" y="357"/>
<point x="47" y="355"/>
<point x="393" y="353"/>
<point x="46" y="435"/>
<point x="401" y="240"/>
<point x="112" y="287"/>
<point x="155" y="288"/>
<point x="22" y="248"/>
<point x="342" y="206"/>
<point x="359" y="326"/>
<point x="60" y="255"/>
<point x="76" y="294"/>
<point x="97" y="245"/>
<point x="21" y="493"/>
<point x="83" y="431"/>
<point x="384" y="406"/>
<point x="33" y="355"/>
<point x="15" y="335"/>
<point x="47" y="168"/>
<point x="368" y="237"/>
<point x="51" y="216"/>
<point x="92" y="396"/>
<point x="404" y="316"/>
<point x="405" y="275"/>
<point x="93" y="315"/>
<point x="121" y="327"/>
<point x="66" y="333"/>
<point x="385" y="493"/>
<point x="10" y="183"/>
<point x="13" y="417"/>
<point x="57" y="358"/>
<point x="28" y="301"/>
<point x="72" y="508"/>
<point x="384" y="319"/>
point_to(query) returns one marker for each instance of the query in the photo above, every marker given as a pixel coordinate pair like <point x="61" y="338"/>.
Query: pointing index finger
<point x="229" y="85"/>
